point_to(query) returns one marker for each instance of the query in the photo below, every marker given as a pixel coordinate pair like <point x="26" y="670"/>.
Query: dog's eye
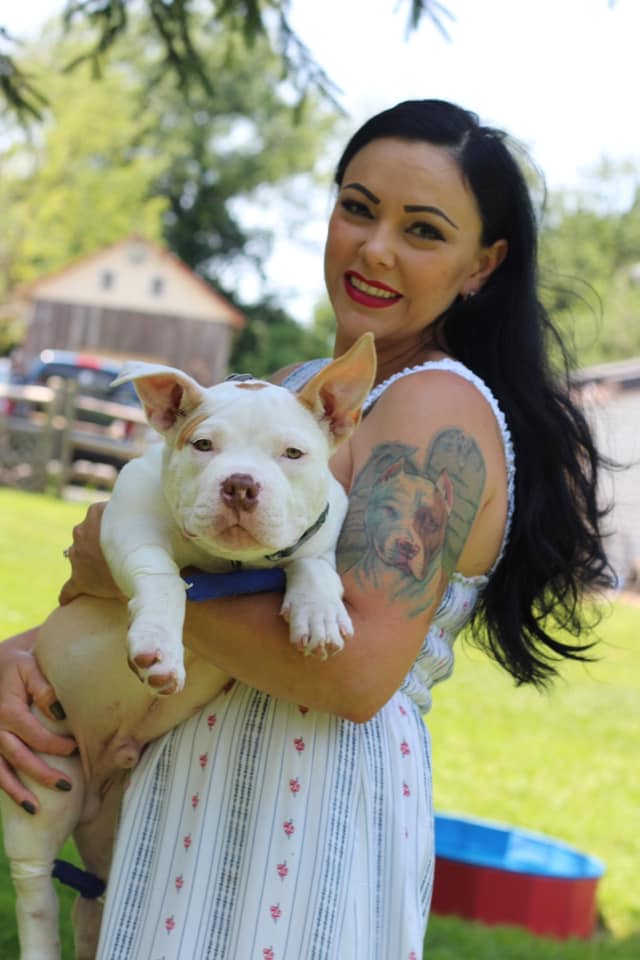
<point x="292" y="453"/>
<point x="204" y="445"/>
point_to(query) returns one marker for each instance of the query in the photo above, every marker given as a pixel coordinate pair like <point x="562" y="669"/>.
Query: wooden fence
<point x="51" y="436"/>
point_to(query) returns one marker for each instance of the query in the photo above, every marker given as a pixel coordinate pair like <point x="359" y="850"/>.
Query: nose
<point x="240" y="491"/>
<point x="378" y="247"/>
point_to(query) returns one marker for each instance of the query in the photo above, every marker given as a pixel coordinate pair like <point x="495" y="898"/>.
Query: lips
<point x="369" y="293"/>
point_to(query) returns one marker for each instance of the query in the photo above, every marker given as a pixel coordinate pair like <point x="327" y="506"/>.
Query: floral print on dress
<point x="294" y="786"/>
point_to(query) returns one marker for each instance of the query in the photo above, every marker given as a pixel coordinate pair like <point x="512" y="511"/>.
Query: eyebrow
<point x="418" y="208"/>
<point x="408" y="208"/>
<point x="362" y="189"/>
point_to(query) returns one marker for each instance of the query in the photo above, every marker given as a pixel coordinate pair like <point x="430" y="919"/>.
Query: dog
<point x="242" y="477"/>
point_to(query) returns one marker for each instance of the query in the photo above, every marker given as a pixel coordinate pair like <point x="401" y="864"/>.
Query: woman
<point x="293" y="816"/>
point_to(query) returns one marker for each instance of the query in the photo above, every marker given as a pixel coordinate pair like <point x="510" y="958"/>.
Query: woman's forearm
<point x="247" y="638"/>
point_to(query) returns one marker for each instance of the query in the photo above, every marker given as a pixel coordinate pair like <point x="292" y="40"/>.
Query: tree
<point x="174" y="24"/>
<point x="272" y="340"/>
<point x="81" y="185"/>
<point x="590" y="252"/>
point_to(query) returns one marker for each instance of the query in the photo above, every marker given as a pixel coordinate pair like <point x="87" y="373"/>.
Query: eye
<point x="204" y="445"/>
<point x="292" y="453"/>
<point x="425" y="231"/>
<point x="356" y="208"/>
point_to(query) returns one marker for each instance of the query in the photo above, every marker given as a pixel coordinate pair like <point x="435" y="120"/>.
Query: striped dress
<point x="262" y="830"/>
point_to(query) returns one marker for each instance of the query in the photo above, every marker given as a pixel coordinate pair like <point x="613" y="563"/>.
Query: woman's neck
<point x="395" y="356"/>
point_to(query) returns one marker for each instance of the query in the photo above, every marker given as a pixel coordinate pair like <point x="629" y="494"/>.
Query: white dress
<point x="261" y="830"/>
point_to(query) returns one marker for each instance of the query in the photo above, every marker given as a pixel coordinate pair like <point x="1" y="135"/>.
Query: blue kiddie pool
<point x="498" y="874"/>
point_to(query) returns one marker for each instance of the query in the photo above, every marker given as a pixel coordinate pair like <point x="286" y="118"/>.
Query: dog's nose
<point x="240" y="491"/>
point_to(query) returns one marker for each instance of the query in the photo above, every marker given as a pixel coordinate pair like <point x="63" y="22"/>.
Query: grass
<point x="563" y="762"/>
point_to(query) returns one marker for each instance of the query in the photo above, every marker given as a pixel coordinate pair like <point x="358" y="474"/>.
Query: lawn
<point x="563" y="762"/>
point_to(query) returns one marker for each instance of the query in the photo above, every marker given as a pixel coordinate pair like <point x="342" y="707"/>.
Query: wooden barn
<point x="133" y="300"/>
<point x="611" y="396"/>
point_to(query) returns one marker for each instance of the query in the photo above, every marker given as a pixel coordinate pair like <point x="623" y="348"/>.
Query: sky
<point x="560" y="76"/>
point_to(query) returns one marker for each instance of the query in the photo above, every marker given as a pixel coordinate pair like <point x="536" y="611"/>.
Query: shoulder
<point x="423" y="401"/>
<point x="435" y="435"/>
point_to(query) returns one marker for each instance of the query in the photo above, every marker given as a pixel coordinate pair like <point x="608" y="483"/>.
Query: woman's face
<point x="404" y="240"/>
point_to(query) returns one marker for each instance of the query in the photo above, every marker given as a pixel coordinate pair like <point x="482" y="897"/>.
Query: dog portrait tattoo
<point x="409" y="516"/>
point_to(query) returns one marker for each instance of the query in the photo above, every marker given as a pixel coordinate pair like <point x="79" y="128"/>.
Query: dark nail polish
<point x="29" y="807"/>
<point x="63" y="785"/>
<point x="57" y="711"/>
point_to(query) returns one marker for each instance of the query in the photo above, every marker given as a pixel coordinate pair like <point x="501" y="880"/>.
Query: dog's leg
<point x="135" y="537"/>
<point x="94" y="841"/>
<point x="156" y="608"/>
<point x="312" y="606"/>
<point x="32" y="842"/>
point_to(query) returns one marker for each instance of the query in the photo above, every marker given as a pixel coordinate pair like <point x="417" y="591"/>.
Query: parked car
<point x="93" y="375"/>
<point x="99" y="436"/>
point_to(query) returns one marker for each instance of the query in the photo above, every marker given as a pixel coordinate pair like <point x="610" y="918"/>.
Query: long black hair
<point x="554" y="554"/>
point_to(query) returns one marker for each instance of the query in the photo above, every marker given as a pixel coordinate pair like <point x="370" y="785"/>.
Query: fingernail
<point x="29" y="807"/>
<point x="57" y="711"/>
<point x="63" y="785"/>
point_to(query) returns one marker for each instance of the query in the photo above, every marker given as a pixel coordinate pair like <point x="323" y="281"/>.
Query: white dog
<point x="242" y="478"/>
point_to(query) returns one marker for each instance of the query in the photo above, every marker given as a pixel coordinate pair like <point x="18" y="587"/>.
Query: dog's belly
<point x="81" y="648"/>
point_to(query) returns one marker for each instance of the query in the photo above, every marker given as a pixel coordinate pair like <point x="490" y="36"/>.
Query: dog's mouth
<point x="228" y="540"/>
<point x="237" y="537"/>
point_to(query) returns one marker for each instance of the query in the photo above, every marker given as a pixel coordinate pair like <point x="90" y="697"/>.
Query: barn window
<point x="157" y="286"/>
<point x="107" y="279"/>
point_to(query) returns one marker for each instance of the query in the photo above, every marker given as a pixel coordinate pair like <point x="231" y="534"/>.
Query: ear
<point x="167" y="395"/>
<point x="336" y="394"/>
<point x="489" y="260"/>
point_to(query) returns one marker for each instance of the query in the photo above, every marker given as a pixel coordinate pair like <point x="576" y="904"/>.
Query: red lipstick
<point x="369" y="293"/>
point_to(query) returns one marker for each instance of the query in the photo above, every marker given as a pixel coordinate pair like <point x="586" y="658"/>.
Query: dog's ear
<point x="166" y="394"/>
<point x="335" y="395"/>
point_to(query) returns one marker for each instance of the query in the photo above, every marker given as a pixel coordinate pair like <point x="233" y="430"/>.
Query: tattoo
<point x="408" y="522"/>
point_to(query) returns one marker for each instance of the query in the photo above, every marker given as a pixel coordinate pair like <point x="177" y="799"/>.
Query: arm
<point x="22" y="683"/>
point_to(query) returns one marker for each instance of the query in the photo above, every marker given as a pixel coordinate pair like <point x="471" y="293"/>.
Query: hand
<point x="22" y="683"/>
<point x="89" y="571"/>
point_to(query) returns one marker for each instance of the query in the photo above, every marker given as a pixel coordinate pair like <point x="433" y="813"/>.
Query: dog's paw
<point x="317" y="628"/>
<point x="156" y="658"/>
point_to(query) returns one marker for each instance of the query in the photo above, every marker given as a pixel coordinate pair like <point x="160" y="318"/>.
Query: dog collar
<point x="284" y="554"/>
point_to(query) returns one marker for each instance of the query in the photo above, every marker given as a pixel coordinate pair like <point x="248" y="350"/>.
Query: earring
<point x="469" y="296"/>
